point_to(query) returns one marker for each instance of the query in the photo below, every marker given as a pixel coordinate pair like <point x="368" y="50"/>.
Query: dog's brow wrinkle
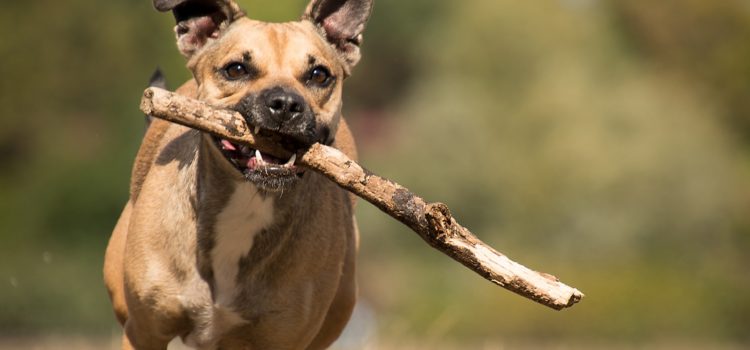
<point x="275" y="41"/>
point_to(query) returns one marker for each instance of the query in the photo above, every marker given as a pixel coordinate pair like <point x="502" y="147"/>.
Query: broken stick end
<point x="147" y="104"/>
<point x="575" y="298"/>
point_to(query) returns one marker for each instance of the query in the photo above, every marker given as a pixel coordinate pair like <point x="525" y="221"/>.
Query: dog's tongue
<point x="228" y="145"/>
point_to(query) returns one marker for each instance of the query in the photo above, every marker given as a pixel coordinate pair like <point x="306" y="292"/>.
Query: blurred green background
<point x="605" y="142"/>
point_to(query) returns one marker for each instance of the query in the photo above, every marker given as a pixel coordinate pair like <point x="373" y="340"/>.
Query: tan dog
<point x="220" y="244"/>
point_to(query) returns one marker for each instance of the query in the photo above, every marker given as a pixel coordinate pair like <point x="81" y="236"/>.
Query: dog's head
<point x="285" y="78"/>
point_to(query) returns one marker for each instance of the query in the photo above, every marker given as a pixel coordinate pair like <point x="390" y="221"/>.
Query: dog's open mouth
<point x="264" y="170"/>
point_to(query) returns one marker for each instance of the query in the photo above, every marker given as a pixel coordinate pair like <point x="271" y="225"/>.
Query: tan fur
<point x="298" y="287"/>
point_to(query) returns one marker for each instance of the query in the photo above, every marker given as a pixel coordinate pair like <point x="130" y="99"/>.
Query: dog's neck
<point x="231" y="213"/>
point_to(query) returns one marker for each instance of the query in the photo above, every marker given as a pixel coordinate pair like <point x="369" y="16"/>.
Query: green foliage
<point x="603" y="142"/>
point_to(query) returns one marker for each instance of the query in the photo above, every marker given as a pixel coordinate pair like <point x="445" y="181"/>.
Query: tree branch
<point x="431" y="221"/>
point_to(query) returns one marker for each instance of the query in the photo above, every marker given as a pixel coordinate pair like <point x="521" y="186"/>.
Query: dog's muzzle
<point x="284" y="116"/>
<point x="284" y="112"/>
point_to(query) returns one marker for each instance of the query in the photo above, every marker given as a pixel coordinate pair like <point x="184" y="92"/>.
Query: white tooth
<point x="291" y="160"/>
<point x="259" y="157"/>
<point x="257" y="130"/>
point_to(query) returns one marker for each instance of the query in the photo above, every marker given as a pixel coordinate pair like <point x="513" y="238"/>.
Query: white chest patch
<point x="246" y="214"/>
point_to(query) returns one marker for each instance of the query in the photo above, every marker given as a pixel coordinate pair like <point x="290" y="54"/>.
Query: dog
<point x="223" y="245"/>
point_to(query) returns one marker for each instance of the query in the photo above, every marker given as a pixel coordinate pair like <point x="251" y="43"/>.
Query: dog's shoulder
<point x="345" y="141"/>
<point x="346" y="144"/>
<point x="152" y="142"/>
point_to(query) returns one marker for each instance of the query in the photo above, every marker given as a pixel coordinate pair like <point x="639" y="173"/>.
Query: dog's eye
<point x="236" y="71"/>
<point x="320" y="76"/>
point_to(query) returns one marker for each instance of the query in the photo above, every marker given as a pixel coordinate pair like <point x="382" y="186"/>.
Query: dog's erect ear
<point x="343" y="22"/>
<point x="199" y="21"/>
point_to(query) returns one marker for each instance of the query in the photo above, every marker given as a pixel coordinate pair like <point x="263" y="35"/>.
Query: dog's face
<point x="282" y="77"/>
<point x="285" y="78"/>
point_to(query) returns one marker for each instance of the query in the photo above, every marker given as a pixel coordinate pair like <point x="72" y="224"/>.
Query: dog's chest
<point x="245" y="215"/>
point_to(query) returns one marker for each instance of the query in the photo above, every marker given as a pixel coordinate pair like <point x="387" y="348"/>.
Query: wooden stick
<point x="431" y="221"/>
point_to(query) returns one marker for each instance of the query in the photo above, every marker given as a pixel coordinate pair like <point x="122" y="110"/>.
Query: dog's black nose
<point x="284" y="106"/>
<point x="284" y="111"/>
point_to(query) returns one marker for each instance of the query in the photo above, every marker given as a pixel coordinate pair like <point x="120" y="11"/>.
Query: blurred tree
<point x="705" y="41"/>
<point x="391" y="55"/>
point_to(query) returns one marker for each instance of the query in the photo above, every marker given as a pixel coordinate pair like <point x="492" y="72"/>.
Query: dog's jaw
<point x="267" y="173"/>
